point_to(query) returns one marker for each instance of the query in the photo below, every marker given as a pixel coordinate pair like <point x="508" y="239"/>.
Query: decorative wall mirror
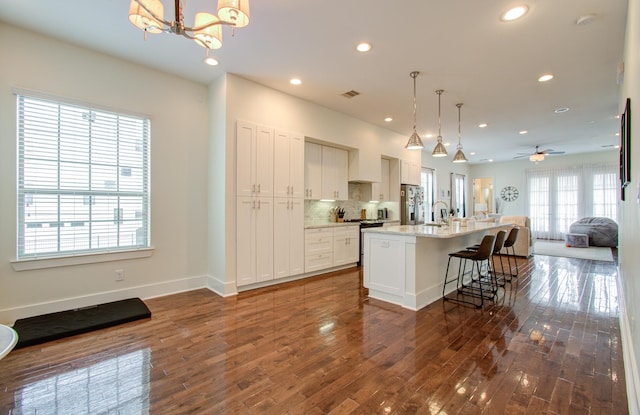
<point x="483" y="195"/>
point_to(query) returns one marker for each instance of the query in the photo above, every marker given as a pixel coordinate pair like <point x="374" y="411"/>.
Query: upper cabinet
<point x="380" y="192"/>
<point x="254" y="157"/>
<point x="409" y="172"/>
<point x="326" y="171"/>
<point x="288" y="169"/>
<point x="312" y="171"/>
<point x="335" y="173"/>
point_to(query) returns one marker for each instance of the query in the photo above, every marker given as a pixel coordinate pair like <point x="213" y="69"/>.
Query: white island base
<point x="406" y="265"/>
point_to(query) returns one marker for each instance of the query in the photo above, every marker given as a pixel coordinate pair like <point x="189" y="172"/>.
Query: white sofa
<point x="524" y="243"/>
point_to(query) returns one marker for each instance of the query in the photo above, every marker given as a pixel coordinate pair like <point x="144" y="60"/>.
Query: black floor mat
<point x="40" y="329"/>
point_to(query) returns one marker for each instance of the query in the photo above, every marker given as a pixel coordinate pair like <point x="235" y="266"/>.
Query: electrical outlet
<point x="119" y="275"/>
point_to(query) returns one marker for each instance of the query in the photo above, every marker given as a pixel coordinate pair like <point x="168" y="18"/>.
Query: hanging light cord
<point x="414" y="75"/>
<point x="439" y="92"/>
<point x="459" y="106"/>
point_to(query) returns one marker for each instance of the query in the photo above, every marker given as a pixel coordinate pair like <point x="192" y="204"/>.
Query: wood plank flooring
<point x="320" y="346"/>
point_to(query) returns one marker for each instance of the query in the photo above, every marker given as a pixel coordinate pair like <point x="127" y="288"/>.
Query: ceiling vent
<point x="351" y="94"/>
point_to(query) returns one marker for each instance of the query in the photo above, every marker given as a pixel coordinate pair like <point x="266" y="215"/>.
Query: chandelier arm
<point x="159" y="18"/>
<point x="219" y="22"/>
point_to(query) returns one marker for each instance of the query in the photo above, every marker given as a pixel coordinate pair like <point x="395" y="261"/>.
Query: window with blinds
<point x="83" y="179"/>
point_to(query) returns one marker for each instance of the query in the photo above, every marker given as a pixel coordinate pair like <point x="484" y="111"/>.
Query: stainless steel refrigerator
<point x="411" y="205"/>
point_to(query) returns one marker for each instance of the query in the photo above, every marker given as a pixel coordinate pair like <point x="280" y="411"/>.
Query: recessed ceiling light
<point x="295" y="81"/>
<point x="447" y="144"/>
<point x="561" y="110"/>
<point x="483" y="125"/>
<point x="523" y="132"/>
<point x="585" y="20"/>
<point x="210" y="60"/>
<point x="514" y="13"/>
<point x="546" y="77"/>
<point x="473" y="153"/>
<point x="363" y="47"/>
<point x="490" y="160"/>
<point x="617" y="134"/>
<point x="428" y="135"/>
<point x="388" y="119"/>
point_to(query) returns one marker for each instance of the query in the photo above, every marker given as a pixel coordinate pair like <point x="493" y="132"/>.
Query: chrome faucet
<point x="439" y="219"/>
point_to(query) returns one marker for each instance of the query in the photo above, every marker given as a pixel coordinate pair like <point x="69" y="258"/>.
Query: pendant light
<point x="459" y="156"/>
<point x="440" y="150"/>
<point x="414" y="143"/>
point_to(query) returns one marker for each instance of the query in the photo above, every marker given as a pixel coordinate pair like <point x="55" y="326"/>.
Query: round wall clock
<point x="509" y="194"/>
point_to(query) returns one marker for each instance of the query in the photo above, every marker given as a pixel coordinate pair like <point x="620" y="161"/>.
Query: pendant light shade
<point x="439" y="150"/>
<point x="459" y="156"/>
<point x="414" y="143"/>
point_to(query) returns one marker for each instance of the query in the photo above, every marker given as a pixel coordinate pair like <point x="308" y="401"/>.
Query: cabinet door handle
<point x="253" y="204"/>
<point x="258" y="204"/>
<point x="258" y="188"/>
<point x="291" y="189"/>
<point x="253" y="188"/>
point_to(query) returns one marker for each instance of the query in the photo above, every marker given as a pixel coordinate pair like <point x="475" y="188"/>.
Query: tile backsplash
<point x="316" y="211"/>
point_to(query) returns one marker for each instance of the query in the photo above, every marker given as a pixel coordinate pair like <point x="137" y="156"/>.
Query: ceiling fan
<point x="538" y="155"/>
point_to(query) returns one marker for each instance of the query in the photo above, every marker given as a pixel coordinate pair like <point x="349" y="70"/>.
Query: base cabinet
<point x="288" y="237"/>
<point x="331" y="247"/>
<point x="318" y="249"/>
<point x="254" y="240"/>
<point x="346" y="247"/>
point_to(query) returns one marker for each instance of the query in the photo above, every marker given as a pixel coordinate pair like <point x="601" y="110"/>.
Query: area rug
<point x="557" y="248"/>
<point x="47" y="327"/>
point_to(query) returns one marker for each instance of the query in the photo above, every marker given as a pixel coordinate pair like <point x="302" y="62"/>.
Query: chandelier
<point x="148" y="15"/>
<point x="414" y="143"/>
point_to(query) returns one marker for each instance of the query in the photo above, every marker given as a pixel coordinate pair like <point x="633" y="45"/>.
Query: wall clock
<point x="509" y="194"/>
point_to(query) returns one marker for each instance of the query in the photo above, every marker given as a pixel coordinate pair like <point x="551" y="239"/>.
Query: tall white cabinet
<point x="269" y="204"/>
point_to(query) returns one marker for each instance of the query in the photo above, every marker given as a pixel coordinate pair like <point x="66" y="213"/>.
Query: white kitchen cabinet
<point x="318" y="249"/>
<point x="312" y="171"/>
<point x="385" y="191"/>
<point x="288" y="237"/>
<point x="254" y="239"/>
<point x="335" y="173"/>
<point x="288" y="169"/>
<point x="409" y="172"/>
<point x="346" y="245"/>
<point x="379" y="192"/>
<point x="254" y="160"/>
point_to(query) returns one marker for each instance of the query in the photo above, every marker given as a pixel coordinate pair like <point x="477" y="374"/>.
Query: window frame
<point x="141" y="190"/>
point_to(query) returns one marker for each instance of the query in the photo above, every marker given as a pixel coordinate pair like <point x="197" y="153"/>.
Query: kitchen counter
<point x="432" y="231"/>
<point x="330" y="225"/>
<point x="406" y="264"/>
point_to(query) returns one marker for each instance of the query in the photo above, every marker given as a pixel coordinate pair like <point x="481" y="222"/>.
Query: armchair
<point x="524" y="243"/>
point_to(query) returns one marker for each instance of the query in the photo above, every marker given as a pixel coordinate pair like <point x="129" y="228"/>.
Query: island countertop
<point x="431" y="231"/>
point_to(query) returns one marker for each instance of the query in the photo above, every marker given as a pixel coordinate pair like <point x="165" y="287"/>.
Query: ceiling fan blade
<point x="523" y="155"/>
<point x="554" y="152"/>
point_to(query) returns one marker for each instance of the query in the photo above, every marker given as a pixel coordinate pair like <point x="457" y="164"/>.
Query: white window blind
<point x="83" y="179"/>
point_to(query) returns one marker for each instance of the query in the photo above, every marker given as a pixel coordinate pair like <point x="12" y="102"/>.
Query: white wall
<point x="629" y="260"/>
<point x="512" y="173"/>
<point x="178" y="174"/>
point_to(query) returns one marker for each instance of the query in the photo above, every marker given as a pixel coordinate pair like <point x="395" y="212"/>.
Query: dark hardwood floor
<point x="319" y="346"/>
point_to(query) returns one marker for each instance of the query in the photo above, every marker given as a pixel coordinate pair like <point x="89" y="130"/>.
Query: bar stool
<point x="509" y="243"/>
<point x="476" y="284"/>
<point x="497" y="247"/>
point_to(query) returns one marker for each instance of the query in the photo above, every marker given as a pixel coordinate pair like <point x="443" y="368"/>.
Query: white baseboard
<point x="630" y="362"/>
<point x="10" y="315"/>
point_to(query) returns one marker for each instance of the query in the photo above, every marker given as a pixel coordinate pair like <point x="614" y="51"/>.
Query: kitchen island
<point x="405" y="264"/>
